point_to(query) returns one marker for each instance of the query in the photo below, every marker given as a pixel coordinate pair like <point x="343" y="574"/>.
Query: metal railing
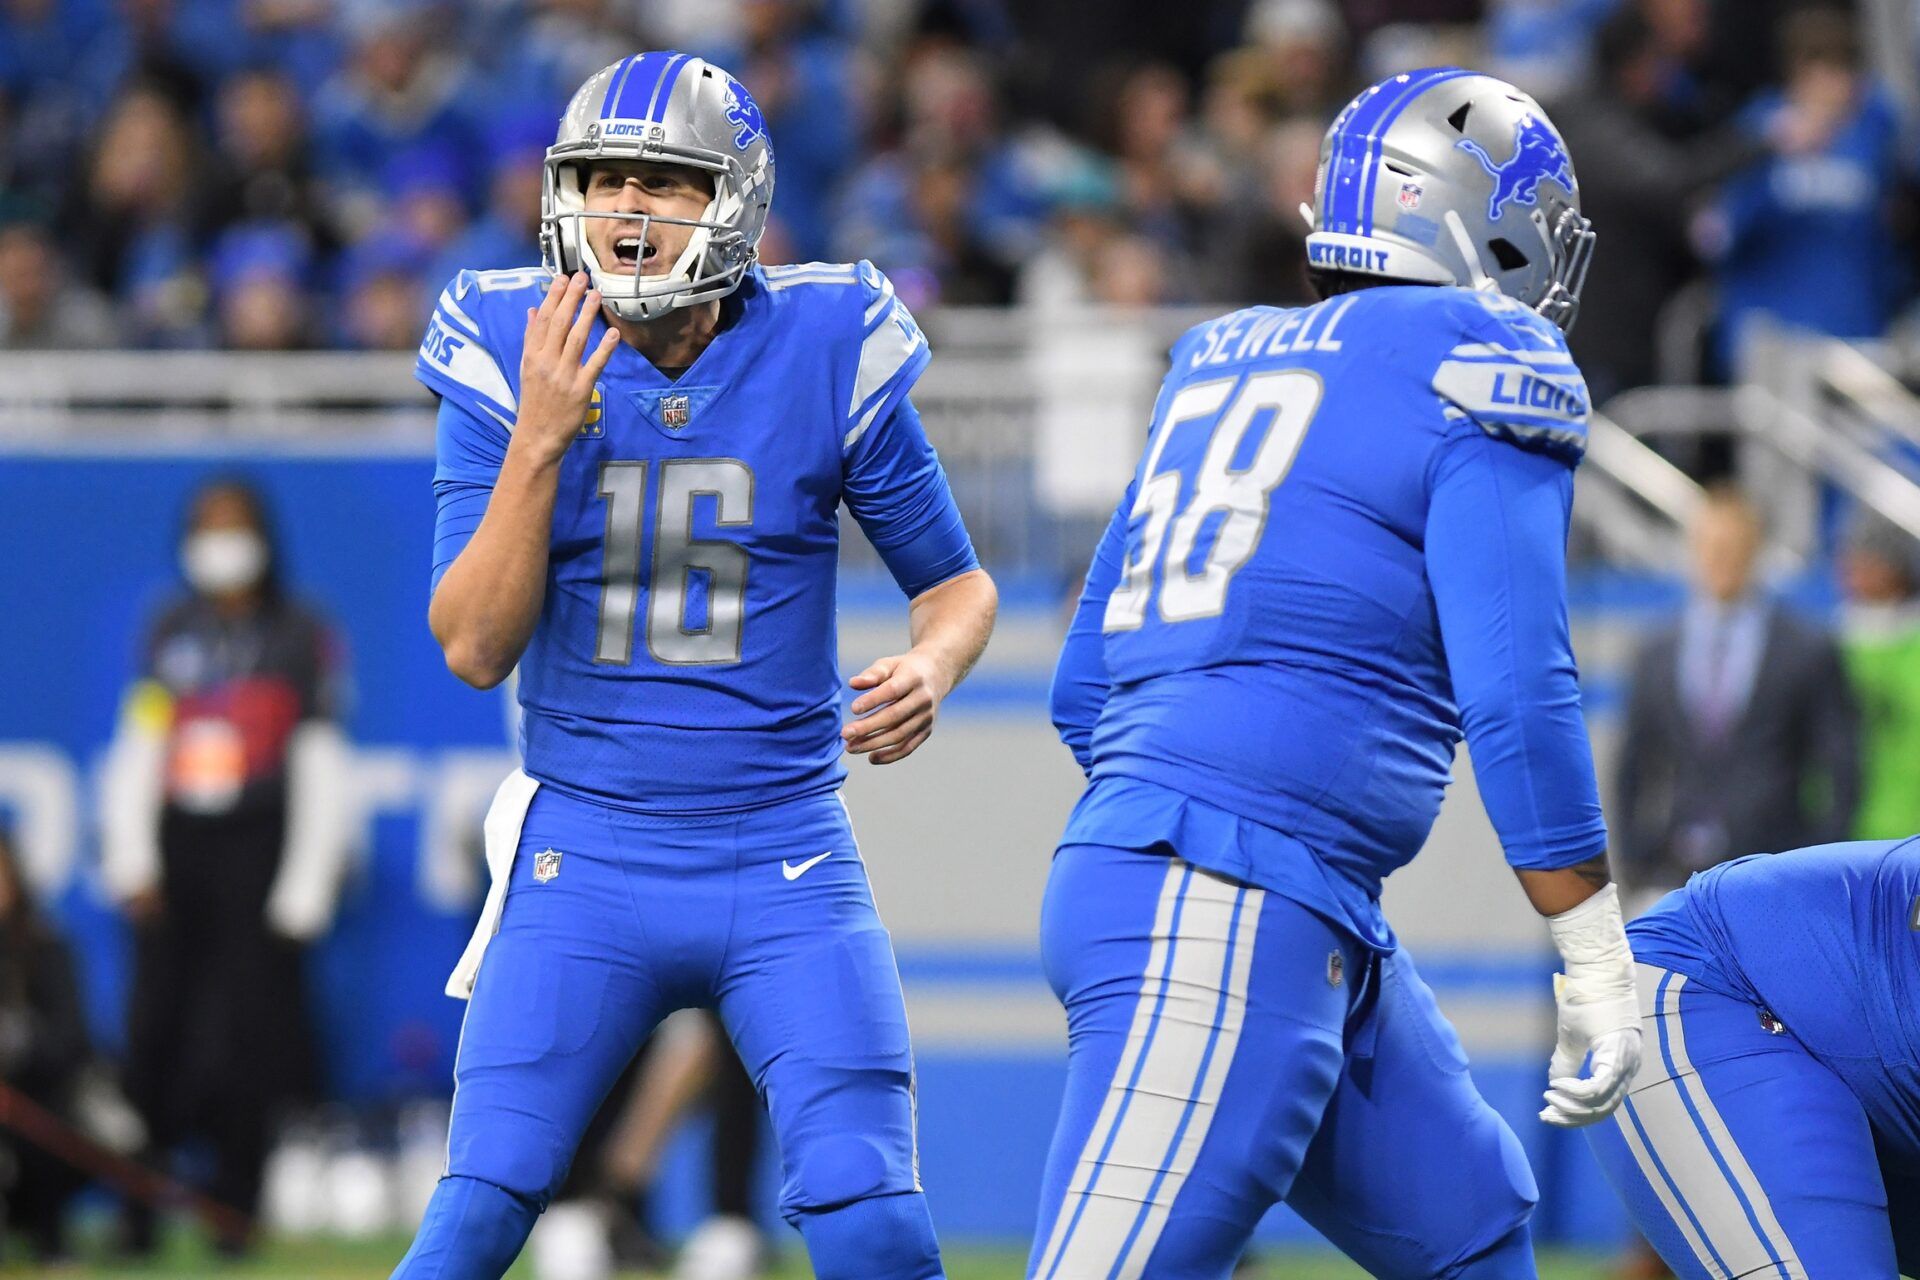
<point x="1633" y="501"/>
<point x="1816" y="412"/>
<point x="1039" y="417"/>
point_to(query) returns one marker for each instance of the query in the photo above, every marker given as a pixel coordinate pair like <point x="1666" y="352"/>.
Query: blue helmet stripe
<point x="1343" y="172"/>
<point x="1352" y="161"/>
<point x="1367" y="127"/>
<point x="615" y="84"/>
<point x="663" y="88"/>
<point x="1420" y="84"/>
<point x="638" y="89"/>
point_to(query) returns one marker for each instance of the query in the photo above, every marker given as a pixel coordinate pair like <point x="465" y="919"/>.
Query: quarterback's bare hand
<point x="557" y="372"/>
<point x="895" y="713"/>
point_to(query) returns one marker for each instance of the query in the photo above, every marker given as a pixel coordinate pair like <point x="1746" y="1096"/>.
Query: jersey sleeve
<point x="468" y="451"/>
<point x="1508" y="373"/>
<point x="1496" y="560"/>
<point x="896" y="488"/>
<point x="893" y="355"/>
<point x="457" y="363"/>
<point x="1080" y="679"/>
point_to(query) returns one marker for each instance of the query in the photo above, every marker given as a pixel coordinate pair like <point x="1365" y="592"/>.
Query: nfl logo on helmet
<point x="1410" y="193"/>
<point x="675" y="411"/>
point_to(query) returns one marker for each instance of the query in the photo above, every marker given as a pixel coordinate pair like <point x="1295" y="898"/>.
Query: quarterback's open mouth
<point x="632" y="251"/>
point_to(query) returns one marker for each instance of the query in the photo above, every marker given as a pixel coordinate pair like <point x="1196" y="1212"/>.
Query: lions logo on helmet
<point x="1538" y="154"/>
<point x="743" y="113"/>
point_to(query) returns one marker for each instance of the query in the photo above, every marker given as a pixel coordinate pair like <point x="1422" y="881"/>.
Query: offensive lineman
<point x="1774" y="1128"/>
<point x="1344" y="547"/>
<point x="642" y="453"/>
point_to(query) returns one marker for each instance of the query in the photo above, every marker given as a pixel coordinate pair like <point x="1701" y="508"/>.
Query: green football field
<point x="372" y="1260"/>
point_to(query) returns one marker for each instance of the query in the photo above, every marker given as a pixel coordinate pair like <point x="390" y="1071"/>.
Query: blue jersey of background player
<point x="641" y="465"/>
<point x="1343" y="547"/>
<point x="1774" y="1127"/>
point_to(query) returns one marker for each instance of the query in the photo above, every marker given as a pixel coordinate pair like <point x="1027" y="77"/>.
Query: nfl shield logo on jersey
<point x="1410" y="193"/>
<point x="1336" y="966"/>
<point x="675" y="411"/>
<point x="546" y="865"/>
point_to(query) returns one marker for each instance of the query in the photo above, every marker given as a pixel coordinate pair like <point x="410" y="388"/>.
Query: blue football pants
<point x="1230" y="1049"/>
<point x="1738" y="1153"/>
<point x="613" y="920"/>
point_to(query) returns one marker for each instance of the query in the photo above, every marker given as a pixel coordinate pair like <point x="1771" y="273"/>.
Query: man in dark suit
<point x="1741" y="734"/>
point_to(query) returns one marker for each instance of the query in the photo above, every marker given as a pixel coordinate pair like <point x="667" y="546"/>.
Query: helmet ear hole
<point x="1507" y="254"/>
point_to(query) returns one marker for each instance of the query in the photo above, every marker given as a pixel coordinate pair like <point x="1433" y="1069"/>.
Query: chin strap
<point x="1476" y="271"/>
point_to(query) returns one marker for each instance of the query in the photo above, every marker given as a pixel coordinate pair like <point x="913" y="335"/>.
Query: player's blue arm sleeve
<point x="1496" y="559"/>
<point x="897" y="490"/>
<point x="1080" y="681"/>
<point x="468" y="451"/>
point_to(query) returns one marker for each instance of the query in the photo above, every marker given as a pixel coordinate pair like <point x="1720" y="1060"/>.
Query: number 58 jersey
<point x="684" y="660"/>
<point x="1344" y="546"/>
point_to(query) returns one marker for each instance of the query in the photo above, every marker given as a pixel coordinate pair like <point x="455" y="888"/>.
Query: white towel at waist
<point x="505" y="816"/>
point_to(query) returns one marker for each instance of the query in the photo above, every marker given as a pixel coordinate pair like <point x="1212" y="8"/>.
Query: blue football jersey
<point x="685" y="655"/>
<point x="1827" y="939"/>
<point x="1343" y="547"/>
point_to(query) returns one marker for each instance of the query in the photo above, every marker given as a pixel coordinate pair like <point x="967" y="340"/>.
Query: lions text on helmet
<point x="657" y="185"/>
<point x="1446" y="176"/>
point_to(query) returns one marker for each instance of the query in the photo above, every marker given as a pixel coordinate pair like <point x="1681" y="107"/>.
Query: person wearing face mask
<point x="223" y="838"/>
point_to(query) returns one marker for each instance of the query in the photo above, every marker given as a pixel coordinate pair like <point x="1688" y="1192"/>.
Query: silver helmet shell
<point x="1447" y="176"/>
<point x="672" y="108"/>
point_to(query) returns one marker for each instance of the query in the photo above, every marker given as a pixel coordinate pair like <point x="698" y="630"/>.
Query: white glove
<point x="1599" y="1013"/>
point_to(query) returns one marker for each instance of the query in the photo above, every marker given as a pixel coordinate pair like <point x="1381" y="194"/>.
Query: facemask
<point x="222" y="560"/>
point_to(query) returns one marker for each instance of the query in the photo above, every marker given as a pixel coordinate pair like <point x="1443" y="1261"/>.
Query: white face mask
<point x="221" y="560"/>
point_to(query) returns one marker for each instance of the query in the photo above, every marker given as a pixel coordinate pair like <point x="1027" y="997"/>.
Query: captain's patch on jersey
<point x="592" y="428"/>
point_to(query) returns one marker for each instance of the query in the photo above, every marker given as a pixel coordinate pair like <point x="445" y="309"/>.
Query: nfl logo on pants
<point x="546" y="865"/>
<point x="674" y="411"/>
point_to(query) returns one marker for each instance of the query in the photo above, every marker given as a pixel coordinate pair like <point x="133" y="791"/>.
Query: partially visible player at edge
<point x="1774" y="1128"/>
<point x="642" y="453"/>
<point x="1343" y="549"/>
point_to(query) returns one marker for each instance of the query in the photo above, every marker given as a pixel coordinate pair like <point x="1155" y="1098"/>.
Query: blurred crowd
<point x="296" y="174"/>
<point x="283" y="174"/>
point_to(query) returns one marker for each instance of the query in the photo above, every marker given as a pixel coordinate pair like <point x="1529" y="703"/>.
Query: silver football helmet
<point x="1446" y="176"/>
<point x="676" y="109"/>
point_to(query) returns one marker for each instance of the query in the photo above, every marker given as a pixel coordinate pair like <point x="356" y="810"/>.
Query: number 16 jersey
<point x="1343" y="547"/>
<point x="684" y="660"/>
